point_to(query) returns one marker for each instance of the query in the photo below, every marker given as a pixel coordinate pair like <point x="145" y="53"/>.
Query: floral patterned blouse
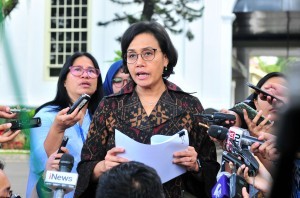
<point x="173" y="112"/>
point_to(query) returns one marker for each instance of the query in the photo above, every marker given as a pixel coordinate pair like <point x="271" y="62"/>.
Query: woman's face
<point x="78" y="85"/>
<point x="146" y="74"/>
<point x="264" y="105"/>
<point x="120" y="80"/>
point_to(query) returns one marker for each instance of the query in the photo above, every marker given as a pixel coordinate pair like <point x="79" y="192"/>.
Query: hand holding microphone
<point x="218" y="118"/>
<point x="235" y="138"/>
<point x="62" y="181"/>
<point x="238" y="135"/>
<point x="268" y="149"/>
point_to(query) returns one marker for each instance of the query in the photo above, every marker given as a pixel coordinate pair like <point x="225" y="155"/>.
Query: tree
<point x="6" y="6"/>
<point x="170" y="12"/>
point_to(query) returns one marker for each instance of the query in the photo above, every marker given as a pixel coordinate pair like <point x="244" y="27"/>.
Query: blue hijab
<point x="112" y="71"/>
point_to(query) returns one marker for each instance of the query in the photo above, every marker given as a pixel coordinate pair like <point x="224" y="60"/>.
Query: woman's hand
<point x="5" y="112"/>
<point x="255" y="129"/>
<point x="63" y="120"/>
<point x="236" y="122"/>
<point x="6" y="134"/>
<point x="262" y="181"/>
<point x="111" y="160"/>
<point x="268" y="149"/>
<point x="187" y="158"/>
<point x="54" y="159"/>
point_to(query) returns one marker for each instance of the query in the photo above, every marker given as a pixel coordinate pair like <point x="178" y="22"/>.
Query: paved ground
<point x="17" y="168"/>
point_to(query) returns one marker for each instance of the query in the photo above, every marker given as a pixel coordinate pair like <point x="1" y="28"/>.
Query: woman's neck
<point x="151" y="91"/>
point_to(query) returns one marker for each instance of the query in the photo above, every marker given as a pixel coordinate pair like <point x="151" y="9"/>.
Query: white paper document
<point x="158" y="154"/>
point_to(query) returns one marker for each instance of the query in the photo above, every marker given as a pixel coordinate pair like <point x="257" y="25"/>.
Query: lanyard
<point x="81" y="132"/>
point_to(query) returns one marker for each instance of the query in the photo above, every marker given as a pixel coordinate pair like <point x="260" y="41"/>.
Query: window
<point x="68" y="32"/>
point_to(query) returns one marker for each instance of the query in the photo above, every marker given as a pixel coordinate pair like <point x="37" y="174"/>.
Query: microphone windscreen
<point x="221" y="188"/>
<point x="218" y="132"/>
<point x="66" y="163"/>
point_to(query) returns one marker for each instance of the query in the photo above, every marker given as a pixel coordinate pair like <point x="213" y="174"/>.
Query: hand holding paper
<point x="158" y="155"/>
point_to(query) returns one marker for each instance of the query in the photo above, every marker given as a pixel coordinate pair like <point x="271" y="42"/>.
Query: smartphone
<point x="63" y="144"/>
<point x="19" y="110"/>
<point x="82" y="100"/>
<point x="258" y="90"/>
<point x="25" y="124"/>
<point x="250" y="111"/>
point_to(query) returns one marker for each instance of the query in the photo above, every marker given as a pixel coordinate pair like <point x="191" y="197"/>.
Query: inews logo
<point x="59" y="177"/>
<point x="56" y="177"/>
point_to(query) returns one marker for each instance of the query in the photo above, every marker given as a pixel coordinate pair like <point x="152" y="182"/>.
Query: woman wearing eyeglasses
<point x="79" y="75"/>
<point x="147" y="106"/>
<point x="115" y="78"/>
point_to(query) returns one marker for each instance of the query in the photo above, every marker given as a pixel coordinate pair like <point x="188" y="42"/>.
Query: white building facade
<point x="29" y="54"/>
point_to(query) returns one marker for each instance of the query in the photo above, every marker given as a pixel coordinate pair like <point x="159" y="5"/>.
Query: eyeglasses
<point x="120" y="82"/>
<point x="79" y="70"/>
<point x="147" y="55"/>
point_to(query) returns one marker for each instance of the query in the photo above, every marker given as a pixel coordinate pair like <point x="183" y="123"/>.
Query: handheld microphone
<point x="62" y="181"/>
<point x="249" y="162"/>
<point x="238" y="135"/>
<point x="235" y="137"/>
<point x="217" y="118"/>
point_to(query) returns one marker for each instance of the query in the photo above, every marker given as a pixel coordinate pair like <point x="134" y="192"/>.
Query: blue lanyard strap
<point x="81" y="132"/>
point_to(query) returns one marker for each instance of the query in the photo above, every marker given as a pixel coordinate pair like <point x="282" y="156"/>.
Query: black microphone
<point x="238" y="135"/>
<point x="217" y="118"/>
<point x="65" y="165"/>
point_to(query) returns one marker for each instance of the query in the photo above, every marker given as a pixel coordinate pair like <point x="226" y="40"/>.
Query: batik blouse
<point x="174" y="111"/>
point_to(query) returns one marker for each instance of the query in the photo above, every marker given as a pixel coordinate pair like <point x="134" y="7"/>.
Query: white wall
<point x="204" y="64"/>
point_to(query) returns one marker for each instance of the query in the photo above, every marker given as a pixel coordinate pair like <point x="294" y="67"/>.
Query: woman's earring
<point x="165" y="69"/>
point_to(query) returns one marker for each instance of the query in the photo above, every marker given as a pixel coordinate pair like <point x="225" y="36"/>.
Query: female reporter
<point x="79" y="75"/>
<point x="115" y="78"/>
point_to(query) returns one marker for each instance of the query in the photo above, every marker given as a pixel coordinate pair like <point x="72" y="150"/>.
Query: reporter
<point x="79" y="75"/>
<point x="115" y="78"/>
<point x="130" y="179"/>
<point x="5" y="186"/>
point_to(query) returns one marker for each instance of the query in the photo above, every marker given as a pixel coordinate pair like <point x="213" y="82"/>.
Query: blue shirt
<point x="38" y="156"/>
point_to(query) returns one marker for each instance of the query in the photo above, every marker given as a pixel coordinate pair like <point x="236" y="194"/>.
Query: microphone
<point x="222" y="188"/>
<point x="238" y="135"/>
<point x="62" y="181"/>
<point x="235" y="139"/>
<point x="217" y="118"/>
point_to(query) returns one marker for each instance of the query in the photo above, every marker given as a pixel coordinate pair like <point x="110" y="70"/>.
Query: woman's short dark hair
<point x="62" y="99"/>
<point x="161" y="35"/>
<point x="264" y="79"/>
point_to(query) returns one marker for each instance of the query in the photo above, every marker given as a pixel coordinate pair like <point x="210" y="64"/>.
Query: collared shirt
<point x="38" y="155"/>
<point x="174" y="111"/>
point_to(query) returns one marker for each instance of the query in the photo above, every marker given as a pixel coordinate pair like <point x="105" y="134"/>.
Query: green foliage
<point x="170" y="12"/>
<point x="6" y="6"/>
<point x="279" y="66"/>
